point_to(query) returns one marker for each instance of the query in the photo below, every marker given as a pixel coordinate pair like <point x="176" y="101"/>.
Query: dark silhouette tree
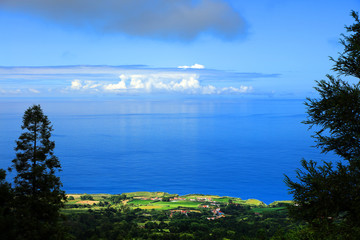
<point x="37" y="193"/>
<point x="348" y="62"/>
<point x="327" y="195"/>
<point x="7" y="219"/>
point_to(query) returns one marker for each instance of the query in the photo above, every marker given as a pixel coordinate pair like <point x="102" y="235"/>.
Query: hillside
<point x="160" y="215"/>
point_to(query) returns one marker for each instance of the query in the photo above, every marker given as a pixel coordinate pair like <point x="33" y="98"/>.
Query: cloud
<point x="195" y="66"/>
<point x="10" y="91"/>
<point x="165" y="19"/>
<point x="241" y="89"/>
<point x="34" y="90"/>
<point x="155" y="83"/>
<point x="114" y="87"/>
<point x="79" y="85"/>
<point x="76" y="84"/>
<point x="135" y="79"/>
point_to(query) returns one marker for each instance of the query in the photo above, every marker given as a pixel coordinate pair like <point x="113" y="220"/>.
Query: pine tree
<point x="327" y="195"/>
<point x="37" y="193"/>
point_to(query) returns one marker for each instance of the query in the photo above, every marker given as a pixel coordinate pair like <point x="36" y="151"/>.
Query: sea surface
<point x="227" y="146"/>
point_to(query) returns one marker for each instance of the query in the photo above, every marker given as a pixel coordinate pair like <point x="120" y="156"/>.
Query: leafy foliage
<point x="117" y="198"/>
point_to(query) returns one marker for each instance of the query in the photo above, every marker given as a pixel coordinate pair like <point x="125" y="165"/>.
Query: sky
<point x="259" y="48"/>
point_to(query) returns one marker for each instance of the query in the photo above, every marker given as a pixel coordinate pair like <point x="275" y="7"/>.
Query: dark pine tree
<point x="327" y="195"/>
<point x="37" y="192"/>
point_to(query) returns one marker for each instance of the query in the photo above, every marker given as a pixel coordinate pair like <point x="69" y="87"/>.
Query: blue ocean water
<point x="224" y="146"/>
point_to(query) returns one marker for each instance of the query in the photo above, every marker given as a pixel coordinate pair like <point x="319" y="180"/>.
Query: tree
<point x="7" y="219"/>
<point x="86" y="197"/>
<point x="349" y="61"/>
<point x="37" y="193"/>
<point x="327" y="195"/>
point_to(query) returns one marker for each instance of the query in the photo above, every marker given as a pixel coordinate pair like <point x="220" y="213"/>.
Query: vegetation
<point x="327" y="195"/>
<point x="7" y="219"/>
<point x="86" y="197"/>
<point x="145" y="215"/>
<point x="32" y="205"/>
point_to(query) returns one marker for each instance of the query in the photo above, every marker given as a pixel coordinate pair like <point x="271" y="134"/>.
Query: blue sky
<point x="207" y="47"/>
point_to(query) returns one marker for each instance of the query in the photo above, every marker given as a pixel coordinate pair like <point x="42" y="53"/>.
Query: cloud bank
<point x="62" y="81"/>
<point x="164" y="19"/>
<point x="154" y="83"/>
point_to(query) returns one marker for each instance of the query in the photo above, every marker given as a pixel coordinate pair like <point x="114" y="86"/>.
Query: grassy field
<point x="140" y="202"/>
<point x="253" y="202"/>
<point x="172" y="205"/>
<point x="149" y="204"/>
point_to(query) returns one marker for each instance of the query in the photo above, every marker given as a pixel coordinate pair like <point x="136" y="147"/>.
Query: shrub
<point x="86" y="197"/>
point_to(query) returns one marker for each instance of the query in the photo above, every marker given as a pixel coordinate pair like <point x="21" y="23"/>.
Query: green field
<point x="140" y="202"/>
<point x="150" y="204"/>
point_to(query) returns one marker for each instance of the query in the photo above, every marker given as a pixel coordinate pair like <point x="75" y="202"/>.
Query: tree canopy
<point x="327" y="195"/>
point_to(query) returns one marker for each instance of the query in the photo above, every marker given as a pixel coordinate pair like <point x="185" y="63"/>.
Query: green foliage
<point x="110" y="223"/>
<point x="327" y="195"/>
<point x="336" y="117"/>
<point x="117" y="198"/>
<point x="87" y="197"/>
<point x="37" y="194"/>
<point x="166" y="199"/>
<point x="234" y="209"/>
<point x="70" y="198"/>
<point x="181" y="219"/>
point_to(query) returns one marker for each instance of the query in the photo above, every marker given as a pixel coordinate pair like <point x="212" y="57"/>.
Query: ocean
<point x="228" y="146"/>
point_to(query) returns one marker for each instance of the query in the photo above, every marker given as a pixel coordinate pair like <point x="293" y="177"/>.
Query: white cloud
<point x="82" y="85"/>
<point x="156" y="82"/>
<point x="195" y="66"/>
<point x="137" y="84"/>
<point x="114" y="87"/>
<point x="241" y="89"/>
<point x="189" y="83"/>
<point x="34" y="90"/>
<point x="10" y="91"/>
<point x="76" y="84"/>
